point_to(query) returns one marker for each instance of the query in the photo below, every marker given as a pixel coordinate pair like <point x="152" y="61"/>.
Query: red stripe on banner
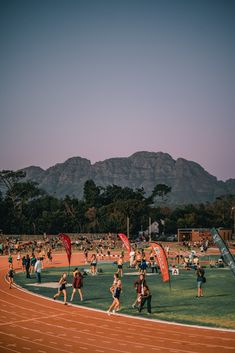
<point x="162" y="260"/>
<point x="125" y="241"/>
<point x="66" y="241"/>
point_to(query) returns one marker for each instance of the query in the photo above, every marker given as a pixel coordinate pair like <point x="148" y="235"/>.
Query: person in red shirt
<point x="77" y="284"/>
<point x="139" y="285"/>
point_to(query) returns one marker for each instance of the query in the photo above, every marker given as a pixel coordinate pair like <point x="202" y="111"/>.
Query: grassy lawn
<point x="215" y="309"/>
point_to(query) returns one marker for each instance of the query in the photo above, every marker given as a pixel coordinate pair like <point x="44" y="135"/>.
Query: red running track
<point x="30" y="323"/>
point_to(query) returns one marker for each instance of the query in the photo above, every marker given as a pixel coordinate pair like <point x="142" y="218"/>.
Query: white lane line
<point x="40" y="344"/>
<point x="28" y="320"/>
<point x="10" y="349"/>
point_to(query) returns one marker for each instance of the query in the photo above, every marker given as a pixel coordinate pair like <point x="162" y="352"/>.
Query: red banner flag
<point x="162" y="260"/>
<point x="125" y="241"/>
<point x="66" y="241"/>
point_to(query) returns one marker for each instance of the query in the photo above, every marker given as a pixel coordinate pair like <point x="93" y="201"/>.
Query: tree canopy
<point x="25" y="208"/>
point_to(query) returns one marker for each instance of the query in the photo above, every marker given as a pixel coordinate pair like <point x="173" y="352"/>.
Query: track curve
<point x="35" y="324"/>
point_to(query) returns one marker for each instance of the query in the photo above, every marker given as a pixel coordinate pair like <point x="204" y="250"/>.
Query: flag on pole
<point x="66" y="241"/>
<point x="162" y="261"/>
<point x="125" y="241"/>
<point x="223" y="249"/>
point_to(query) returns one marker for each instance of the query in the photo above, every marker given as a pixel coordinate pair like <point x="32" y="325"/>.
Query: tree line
<point x="27" y="209"/>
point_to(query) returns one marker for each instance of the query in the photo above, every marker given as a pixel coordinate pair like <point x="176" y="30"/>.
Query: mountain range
<point x="190" y="183"/>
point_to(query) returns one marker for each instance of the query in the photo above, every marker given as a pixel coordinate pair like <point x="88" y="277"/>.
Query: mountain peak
<point x="190" y="183"/>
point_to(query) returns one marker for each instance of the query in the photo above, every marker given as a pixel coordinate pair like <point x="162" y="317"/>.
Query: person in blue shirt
<point x="200" y="280"/>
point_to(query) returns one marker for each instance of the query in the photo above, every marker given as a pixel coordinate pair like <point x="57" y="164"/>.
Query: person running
<point x="10" y="275"/>
<point x="62" y="288"/>
<point x="77" y="284"/>
<point x="115" y="306"/>
<point x="115" y="281"/>
<point x="10" y="260"/>
<point x="18" y="258"/>
<point x="139" y="285"/>
<point x="146" y="296"/>
<point x="120" y="265"/>
<point x="93" y="265"/>
<point x="200" y="280"/>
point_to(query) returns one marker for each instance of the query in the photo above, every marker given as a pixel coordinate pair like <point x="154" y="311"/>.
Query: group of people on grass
<point x="143" y="294"/>
<point x="137" y="260"/>
<point x="142" y="290"/>
<point x="77" y="285"/>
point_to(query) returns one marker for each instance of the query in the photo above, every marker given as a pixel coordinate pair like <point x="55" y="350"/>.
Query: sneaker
<point x="108" y="312"/>
<point x="133" y="306"/>
<point x="114" y="311"/>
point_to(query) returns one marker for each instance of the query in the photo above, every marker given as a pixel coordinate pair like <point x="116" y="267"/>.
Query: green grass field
<point x="215" y="309"/>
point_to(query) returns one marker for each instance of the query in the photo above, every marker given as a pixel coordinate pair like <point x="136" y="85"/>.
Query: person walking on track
<point x="62" y="288"/>
<point x="77" y="284"/>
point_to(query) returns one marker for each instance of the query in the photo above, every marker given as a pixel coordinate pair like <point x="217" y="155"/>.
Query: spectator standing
<point x="27" y="266"/>
<point x="132" y="258"/>
<point x="146" y="296"/>
<point x="33" y="261"/>
<point x="38" y="269"/>
<point x="200" y="280"/>
<point x="139" y="285"/>
<point x="23" y="263"/>
<point x="10" y="260"/>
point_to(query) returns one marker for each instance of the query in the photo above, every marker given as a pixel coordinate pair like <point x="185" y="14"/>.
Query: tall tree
<point x="91" y="193"/>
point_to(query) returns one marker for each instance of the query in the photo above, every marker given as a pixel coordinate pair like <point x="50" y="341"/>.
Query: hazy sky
<point x="107" y="78"/>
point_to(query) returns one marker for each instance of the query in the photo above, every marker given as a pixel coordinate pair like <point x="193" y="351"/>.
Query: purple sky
<point x="102" y="79"/>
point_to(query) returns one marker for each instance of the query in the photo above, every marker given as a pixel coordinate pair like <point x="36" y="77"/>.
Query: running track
<point x="33" y="324"/>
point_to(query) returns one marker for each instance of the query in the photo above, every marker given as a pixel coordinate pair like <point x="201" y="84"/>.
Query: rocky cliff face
<point x="189" y="181"/>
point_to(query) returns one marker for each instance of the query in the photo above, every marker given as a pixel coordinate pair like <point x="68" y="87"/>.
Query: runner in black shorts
<point x="120" y="265"/>
<point x="11" y="276"/>
<point x="115" y="306"/>
<point x="62" y="288"/>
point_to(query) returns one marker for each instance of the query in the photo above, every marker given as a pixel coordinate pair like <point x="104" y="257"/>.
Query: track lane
<point x="29" y="322"/>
